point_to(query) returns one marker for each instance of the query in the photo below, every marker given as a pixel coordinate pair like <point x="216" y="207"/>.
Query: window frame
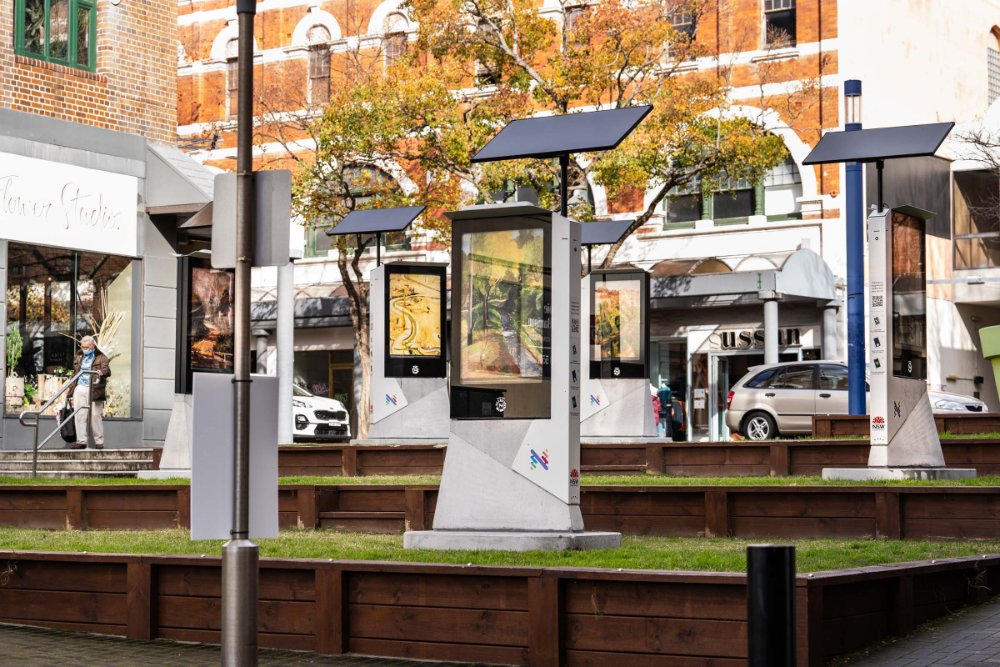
<point x="768" y="8"/>
<point x="73" y="9"/>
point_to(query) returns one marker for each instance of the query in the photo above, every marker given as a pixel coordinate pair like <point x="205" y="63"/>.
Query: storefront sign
<point x="63" y="205"/>
<point x="753" y="339"/>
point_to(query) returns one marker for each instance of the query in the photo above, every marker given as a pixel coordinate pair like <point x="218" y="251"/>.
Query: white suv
<point x="316" y="417"/>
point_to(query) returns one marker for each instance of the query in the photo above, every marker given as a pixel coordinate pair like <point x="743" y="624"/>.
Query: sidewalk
<point x="971" y="639"/>
<point x="34" y="647"/>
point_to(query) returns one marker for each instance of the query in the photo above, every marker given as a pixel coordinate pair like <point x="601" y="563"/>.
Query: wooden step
<point x="370" y="522"/>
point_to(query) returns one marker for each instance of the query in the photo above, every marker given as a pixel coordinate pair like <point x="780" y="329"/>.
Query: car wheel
<point x="759" y="426"/>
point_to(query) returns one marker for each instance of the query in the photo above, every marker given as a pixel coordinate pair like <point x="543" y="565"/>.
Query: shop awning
<point x="175" y="183"/>
<point x="798" y="276"/>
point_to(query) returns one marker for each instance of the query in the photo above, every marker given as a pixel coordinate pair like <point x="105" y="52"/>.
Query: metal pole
<point x="378" y="248"/>
<point x="240" y="555"/>
<point x="771" y="605"/>
<point x="856" y="394"/>
<point x="878" y="182"/>
<point x="564" y="185"/>
<point x="590" y="248"/>
<point x="90" y="410"/>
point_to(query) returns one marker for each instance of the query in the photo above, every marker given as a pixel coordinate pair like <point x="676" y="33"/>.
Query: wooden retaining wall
<point x="780" y="457"/>
<point x="891" y="512"/>
<point x="959" y="423"/>
<point x="541" y="617"/>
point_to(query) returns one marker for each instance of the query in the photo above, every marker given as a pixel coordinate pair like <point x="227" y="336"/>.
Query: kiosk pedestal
<point x="904" y="438"/>
<point x="511" y="477"/>
<point x="617" y="405"/>
<point x="409" y="393"/>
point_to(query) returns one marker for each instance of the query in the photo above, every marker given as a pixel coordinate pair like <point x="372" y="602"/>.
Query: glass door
<point x="719" y="393"/>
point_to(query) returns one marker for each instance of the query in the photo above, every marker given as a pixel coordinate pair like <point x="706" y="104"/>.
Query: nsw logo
<point x="878" y="423"/>
<point x="539" y="459"/>
<point x="574" y="477"/>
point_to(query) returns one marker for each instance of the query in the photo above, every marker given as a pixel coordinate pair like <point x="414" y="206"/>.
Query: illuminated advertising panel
<point x="909" y="297"/>
<point x="414" y="321"/>
<point x="619" y="327"/>
<point x="501" y="310"/>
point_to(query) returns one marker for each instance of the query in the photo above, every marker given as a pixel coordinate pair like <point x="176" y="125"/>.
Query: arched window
<point x="319" y="65"/>
<point x="232" y="78"/>
<point x="394" y="36"/>
<point x="993" y="66"/>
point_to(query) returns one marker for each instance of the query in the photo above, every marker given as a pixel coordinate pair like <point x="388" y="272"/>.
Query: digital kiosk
<point x="511" y="476"/>
<point x="409" y="393"/>
<point x="904" y="437"/>
<point x="616" y="394"/>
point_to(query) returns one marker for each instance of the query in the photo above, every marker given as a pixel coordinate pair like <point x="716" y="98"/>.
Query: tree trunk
<point x="357" y="292"/>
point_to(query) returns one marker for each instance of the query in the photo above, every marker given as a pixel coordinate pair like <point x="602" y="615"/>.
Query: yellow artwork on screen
<point x="414" y="315"/>
<point x="617" y="325"/>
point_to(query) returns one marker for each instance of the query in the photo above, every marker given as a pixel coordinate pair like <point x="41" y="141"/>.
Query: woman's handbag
<point x="67" y="430"/>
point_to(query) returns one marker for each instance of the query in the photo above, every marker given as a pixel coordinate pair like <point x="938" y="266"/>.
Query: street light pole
<point x="855" y="215"/>
<point x="240" y="557"/>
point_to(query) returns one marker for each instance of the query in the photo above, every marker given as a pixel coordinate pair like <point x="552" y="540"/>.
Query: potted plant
<point x="14" y="385"/>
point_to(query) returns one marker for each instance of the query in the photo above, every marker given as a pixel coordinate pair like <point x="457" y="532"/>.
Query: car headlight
<point x="299" y="404"/>
<point x="947" y="404"/>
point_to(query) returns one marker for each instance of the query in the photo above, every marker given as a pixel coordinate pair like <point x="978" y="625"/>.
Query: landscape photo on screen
<point x="211" y="332"/>
<point x="617" y="332"/>
<point x="414" y="315"/>
<point x="504" y="323"/>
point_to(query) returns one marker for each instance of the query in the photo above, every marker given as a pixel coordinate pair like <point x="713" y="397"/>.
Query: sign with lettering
<point x="751" y="339"/>
<point x="63" y="205"/>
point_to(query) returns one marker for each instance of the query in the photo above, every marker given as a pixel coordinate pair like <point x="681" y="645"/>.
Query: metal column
<point x="771" y="330"/>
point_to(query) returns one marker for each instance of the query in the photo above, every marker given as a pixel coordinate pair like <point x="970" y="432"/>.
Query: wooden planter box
<point x="509" y="615"/>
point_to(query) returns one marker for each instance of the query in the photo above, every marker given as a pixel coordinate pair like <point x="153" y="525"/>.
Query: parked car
<point x="781" y="399"/>
<point x="316" y="417"/>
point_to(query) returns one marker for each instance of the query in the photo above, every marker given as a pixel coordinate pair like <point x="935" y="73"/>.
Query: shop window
<point x="60" y="31"/>
<point x="394" y="39"/>
<point x="319" y="65"/>
<point x="54" y="298"/>
<point x="779" y="23"/>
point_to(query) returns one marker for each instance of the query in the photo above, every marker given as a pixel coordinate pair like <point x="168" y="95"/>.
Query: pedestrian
<point x="89" y="358"/>
<point x="666" y="397"/>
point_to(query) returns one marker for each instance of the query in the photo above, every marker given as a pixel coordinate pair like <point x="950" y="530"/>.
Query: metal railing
<point x="37" y="417"/>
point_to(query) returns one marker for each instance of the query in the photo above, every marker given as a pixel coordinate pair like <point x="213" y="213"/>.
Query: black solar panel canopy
<point x="552" y="136"/>
<point x="603" y="232"/>
<point x="883" y="143"/>
<point x="377" y="220"/>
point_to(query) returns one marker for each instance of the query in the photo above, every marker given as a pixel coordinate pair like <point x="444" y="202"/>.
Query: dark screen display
<point x="909" y="297"/>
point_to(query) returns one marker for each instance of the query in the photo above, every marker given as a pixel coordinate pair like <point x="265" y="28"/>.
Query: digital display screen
<point x="501" y="318"/>
<point x="211" y="320"/>
<point x="414" y="315"/>
<point x="619" y="326"/>
<point x="909" y="297"/>
<point x="414" y="320"/>
<point x="504" y="318"/>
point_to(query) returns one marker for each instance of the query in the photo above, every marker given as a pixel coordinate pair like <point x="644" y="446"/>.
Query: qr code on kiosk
<point x="878" y="301"/>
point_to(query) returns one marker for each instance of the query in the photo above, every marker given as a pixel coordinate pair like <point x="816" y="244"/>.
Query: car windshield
<point x="300" y="391"/>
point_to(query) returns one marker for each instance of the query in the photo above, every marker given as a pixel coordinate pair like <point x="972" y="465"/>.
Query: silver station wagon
<point x="781" y="399"/>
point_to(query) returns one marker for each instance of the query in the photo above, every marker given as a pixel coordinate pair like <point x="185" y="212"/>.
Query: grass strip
<point x="588" y="480"/>
<point x="642" y="553"/>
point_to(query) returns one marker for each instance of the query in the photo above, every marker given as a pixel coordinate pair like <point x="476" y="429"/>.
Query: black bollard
<point x="771" y="605"/>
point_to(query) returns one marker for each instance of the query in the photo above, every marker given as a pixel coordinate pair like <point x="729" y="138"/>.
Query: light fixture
<point x="852" y="104"/>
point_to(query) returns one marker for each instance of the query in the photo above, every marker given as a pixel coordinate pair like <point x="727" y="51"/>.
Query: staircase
<point x="78" y="463"/>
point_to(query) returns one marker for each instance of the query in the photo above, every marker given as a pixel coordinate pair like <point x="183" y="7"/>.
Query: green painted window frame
<point x="74" y="9"/>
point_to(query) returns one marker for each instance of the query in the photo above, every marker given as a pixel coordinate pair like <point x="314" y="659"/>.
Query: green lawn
<point x="588" y="480"/>
<point x="637" y="553"/>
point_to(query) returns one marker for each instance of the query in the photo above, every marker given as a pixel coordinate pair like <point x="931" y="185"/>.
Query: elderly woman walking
<point x="89" y="358"/>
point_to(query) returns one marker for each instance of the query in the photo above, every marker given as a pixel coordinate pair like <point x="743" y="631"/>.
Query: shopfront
<point x="709" y="329"/>
<point x="87" y="247"/>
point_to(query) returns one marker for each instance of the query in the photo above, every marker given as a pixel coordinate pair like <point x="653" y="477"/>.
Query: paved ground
<point x="973" y="638"/>
<point x="33" y="647"/>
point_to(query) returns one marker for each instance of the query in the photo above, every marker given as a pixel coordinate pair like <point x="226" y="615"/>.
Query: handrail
<point x="38" y="413"/>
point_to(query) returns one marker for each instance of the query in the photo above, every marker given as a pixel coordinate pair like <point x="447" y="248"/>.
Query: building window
<point x="977" y="223"/>
<point x="232" y="78"/>
<point x="683" y="205"/>
<point x="780" y="192"/>
<point x="685" y="27"/>
<point x="319" y="65"/>
<point x="993" y="74"/>
<point x="394" y="39"/>
<point x="736" y="199"/>
<point x="60" y="31"/>
<point x="779" y="23"/>
<point x="54" y="298"/>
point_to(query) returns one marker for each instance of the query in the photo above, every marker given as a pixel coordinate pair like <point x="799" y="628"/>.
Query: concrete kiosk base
<point x="873" y="474"/>
<point x="497" y="540"/>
